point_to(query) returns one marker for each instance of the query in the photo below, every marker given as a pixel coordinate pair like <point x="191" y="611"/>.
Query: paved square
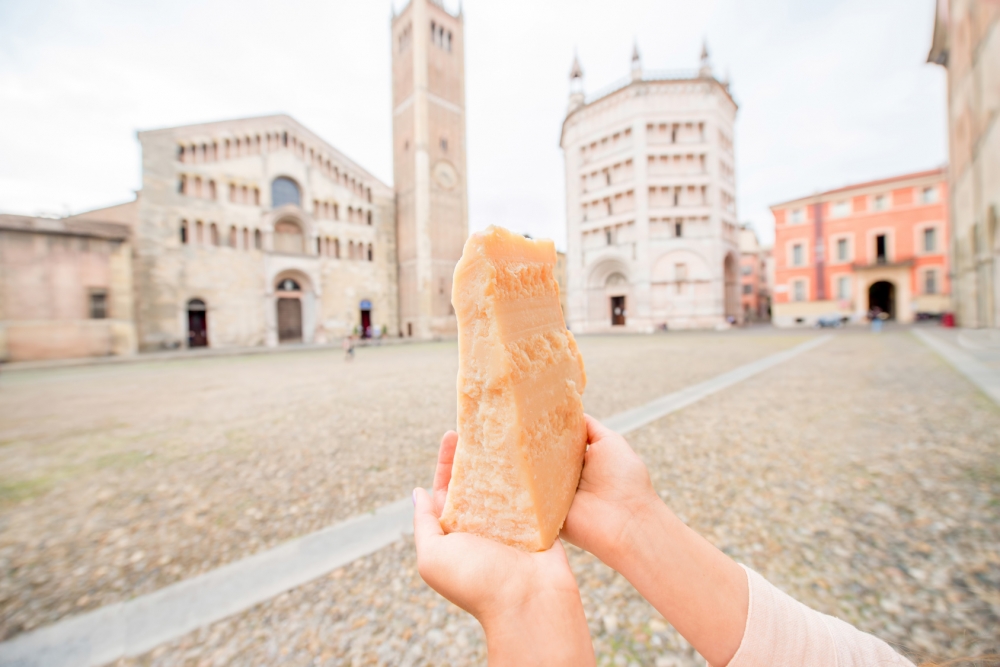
<point x="861" y="477"/>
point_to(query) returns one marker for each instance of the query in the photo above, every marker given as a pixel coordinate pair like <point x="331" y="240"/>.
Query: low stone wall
<point x="63" y="339"/>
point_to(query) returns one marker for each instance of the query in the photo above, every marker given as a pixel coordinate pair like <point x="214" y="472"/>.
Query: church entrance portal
<point x="882" y="295"/>
<point x="197" y="316"/>
<point x="289" y="311"/>
<point x="289" y="320"/>
<point x="617" y="311"/>
<point x="366" y="319"/>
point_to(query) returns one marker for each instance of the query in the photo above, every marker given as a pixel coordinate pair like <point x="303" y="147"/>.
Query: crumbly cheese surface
<point x="521" y="433"/>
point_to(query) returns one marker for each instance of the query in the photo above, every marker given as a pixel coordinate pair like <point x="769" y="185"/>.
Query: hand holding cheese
<point x="522" y="434"/>
<point x="528" y="603"/>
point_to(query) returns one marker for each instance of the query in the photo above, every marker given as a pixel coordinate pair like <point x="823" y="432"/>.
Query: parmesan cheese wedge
<point x="521" y="432"/>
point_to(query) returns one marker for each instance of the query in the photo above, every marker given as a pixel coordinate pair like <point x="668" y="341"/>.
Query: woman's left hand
<point x="528" y="603"/>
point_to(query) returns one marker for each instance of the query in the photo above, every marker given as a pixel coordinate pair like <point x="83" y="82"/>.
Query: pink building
<point x="755" y="290"/>
<point x="880" y="244"/>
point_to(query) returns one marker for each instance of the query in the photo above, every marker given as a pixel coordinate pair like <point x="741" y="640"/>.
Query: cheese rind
<point x="521" y="432"/>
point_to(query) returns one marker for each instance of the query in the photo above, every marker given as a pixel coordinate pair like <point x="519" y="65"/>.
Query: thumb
<point x="426" y="525"/>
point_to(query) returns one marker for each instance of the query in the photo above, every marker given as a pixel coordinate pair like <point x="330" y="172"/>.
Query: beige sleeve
<point x="782" y="632"/>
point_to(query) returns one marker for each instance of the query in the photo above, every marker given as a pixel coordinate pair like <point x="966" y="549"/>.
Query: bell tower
<point x="428" y="121"/>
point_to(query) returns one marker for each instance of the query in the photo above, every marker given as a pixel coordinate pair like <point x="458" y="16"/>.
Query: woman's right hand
<point x="617" y="516"/>
<point x="614" y="497"/>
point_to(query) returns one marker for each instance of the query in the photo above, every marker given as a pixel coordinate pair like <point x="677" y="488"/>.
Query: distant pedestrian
<point x="348" y="348"/>
<point x="875" y="316"/>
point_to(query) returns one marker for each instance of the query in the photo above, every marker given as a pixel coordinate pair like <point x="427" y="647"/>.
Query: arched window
<point x="319" y="246"/>
<point x="285" y="191"/>
<point x="350" y="250"/>
<point x="232" y="236"/>
<point x="180" y="153"/>
<point x="182" y="185"/>
<point x="257" y="242"/>
<point x="246" y="238"/>
<point x="211" y="190"/>
<point x="214" y="231"/>
<point x="371" y="255"/>
<point x="288" y="237"/>
<point x="184" y="232"/>
<point x="289" y="285"/>
<point x="369" y="217"/>
<point x="256" y="196"/>
<point x="200" y="232"/>
<point x="197" y="186"/>
<point x="336" y="248"/>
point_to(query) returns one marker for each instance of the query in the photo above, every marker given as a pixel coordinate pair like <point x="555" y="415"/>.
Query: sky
<point x="830" y="91"/>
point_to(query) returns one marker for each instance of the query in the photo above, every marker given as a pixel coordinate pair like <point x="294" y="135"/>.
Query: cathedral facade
<point x="652" y="238"/>
<point x="258" y="232"/>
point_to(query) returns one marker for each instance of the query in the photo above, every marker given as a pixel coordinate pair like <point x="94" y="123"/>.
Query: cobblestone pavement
<point x="862" y="478"/>
<point x="117" y="480"/>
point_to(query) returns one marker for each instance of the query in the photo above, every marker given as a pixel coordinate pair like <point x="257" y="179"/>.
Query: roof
<point x="940" y="171"/>
<point x="64" y="227"/>
<point x="939" y="41"/>
<point x="649" y="76"/>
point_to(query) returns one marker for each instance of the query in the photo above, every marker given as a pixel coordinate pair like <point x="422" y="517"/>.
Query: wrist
<point x="632" y="548"/>
<point x="626" y="546"/>
<point x="547" y="626"/>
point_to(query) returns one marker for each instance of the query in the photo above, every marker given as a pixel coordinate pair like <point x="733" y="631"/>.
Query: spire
<point x="575" y="72"/>
<point x="705" y="69"/>
<point x="576" y="97"/>
<point x="636" y="62"/>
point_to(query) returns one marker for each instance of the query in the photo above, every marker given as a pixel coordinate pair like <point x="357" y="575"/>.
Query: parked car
<point x="831" y="320"/>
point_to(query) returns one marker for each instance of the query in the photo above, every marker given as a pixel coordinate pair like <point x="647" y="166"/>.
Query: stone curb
<point x="979" y="374"/>
<point x="139" y="625"/>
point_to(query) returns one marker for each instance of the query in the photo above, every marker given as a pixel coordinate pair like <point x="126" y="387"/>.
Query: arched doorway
<point x="882" y="295"/>
<point x="366" y="318"/>
<point x="615" y="283"/>
<point x="289" y="304"/>
<point x="197" y="320"/>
